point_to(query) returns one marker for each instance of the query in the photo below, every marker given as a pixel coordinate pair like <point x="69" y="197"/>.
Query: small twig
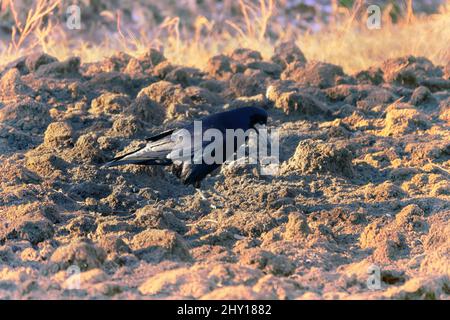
<point x="200" y="221"/>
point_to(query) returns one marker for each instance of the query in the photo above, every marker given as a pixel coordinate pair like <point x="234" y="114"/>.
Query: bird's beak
<point x="259" y="126"/>
<point x="264" y="134"/>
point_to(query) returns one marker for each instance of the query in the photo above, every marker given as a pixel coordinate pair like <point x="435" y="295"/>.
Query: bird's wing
<point x="163" y="149"/>
<point x="188" y="146"/>
<point x="160" y="135"/>
<point x="183" y="146"/>
<point x="154" y="152"/>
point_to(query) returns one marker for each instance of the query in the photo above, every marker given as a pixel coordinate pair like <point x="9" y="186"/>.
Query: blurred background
<point x="190" y="31"/>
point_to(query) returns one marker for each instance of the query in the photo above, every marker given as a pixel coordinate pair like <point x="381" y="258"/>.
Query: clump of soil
<point x="314" y="73"/>
<point x="110" y="103"/>
<point x="58" y="134"/>
<point x="409" y="71"/>
<point x="313" y="156"/>
<point x="157" y="245"/>
<point x="26" y="115"/>
<point x="286" y="53"/>
<point x="11" y="85"/>
<point x="83" y="254"/>
<point x="404" y="120"/>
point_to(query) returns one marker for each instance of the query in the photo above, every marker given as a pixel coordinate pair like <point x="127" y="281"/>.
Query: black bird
<point x="160" y="148"/>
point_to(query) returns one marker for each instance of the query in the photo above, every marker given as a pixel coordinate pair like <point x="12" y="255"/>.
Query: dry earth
<point x="364" y="179"/>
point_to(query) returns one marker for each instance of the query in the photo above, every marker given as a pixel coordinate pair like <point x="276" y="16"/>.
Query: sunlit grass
<point x="359" y="48"/>
<point x="346" y="42"/>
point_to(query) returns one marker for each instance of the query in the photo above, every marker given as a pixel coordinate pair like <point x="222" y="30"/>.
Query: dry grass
<point x="345" y="41"/>
<point x="357" y="48"/>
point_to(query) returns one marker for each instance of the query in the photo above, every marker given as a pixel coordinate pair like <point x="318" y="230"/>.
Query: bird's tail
<point x="123" y="159"/>
<point x="136" y="157"/>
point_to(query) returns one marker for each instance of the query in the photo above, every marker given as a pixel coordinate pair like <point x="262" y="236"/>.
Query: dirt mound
<point x="286" y="53"/>
<point x="27" y="115"/>
<point x="300" y="103"/>
<point x="58" y="134"/>
<point x="80" y="253"/>
<point x="156" y="245"/>
<point x="32" y="222"/>
<point x="34" y="61"/>
<point x="219" y="67"/>
<point x="314" y="73"/>
<point x="292" y="100"/>
<point x="372" y="75"/>
<point x="110" y="103"/>
<point x="247" y="68"/>
<point x="422" y="96"/>
<point x="409" y="71"/>
<point x="12" y="138"/>
<point x="145" y="63"/>
<point x="67" y="68"/>
<point x="404" y="120"/>
<point x="11" y="85"/>
<point x="314" y="156"/>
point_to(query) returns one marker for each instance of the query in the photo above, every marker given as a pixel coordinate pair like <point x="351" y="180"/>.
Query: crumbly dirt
<point x="364" y="180"/>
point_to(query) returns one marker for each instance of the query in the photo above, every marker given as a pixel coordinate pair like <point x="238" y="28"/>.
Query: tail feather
<point x="128" y="159"/>
<point x="155" y="152"/>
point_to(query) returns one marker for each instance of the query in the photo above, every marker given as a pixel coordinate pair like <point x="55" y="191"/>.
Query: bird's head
<point x="258" y="117"/>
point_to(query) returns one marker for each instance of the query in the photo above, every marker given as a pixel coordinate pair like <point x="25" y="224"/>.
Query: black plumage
<point x="160" y="149"/>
